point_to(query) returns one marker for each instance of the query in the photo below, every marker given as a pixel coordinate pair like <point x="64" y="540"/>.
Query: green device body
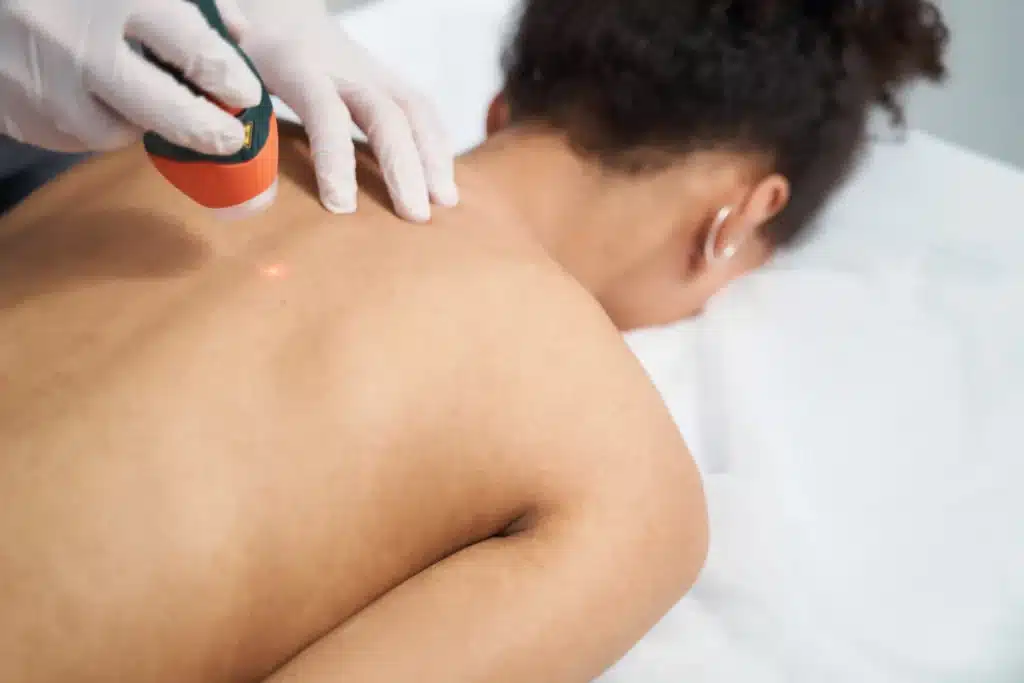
<point x="257" y="120"/>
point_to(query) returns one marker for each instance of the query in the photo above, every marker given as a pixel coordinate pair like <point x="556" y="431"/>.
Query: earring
<point x="711" y="254"/>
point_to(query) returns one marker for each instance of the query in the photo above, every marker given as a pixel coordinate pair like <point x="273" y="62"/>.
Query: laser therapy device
<point x="234" y="186"/>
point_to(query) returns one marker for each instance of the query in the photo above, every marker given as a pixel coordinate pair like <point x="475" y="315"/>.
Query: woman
<point x="311" y="448"/>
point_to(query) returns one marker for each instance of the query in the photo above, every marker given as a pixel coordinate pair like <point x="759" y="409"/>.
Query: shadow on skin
<point x="54" y="245"/>
<point x="58" y="253"/>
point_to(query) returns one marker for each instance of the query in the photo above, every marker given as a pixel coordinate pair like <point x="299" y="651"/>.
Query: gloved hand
<point x="307" y="60"/>
<point x="70" y="82"/>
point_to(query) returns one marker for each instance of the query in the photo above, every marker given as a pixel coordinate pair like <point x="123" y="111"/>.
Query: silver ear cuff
<point x="711" y="253"/>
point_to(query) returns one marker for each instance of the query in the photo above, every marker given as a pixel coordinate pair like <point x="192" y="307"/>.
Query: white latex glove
<point x="308" y="61"/>
<point x="70" y="82"/>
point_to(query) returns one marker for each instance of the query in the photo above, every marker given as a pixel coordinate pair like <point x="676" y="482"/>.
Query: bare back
<point x="219" y="441"/>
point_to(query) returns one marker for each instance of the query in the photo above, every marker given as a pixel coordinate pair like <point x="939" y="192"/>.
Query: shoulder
<point x="533" y="361"/>
<point x="577" y="382"/>
<point x="555" y="401"/>
<point x="527" y="335"/>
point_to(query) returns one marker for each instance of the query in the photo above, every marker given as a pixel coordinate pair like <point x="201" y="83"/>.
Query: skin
<point x="319" y="448"/>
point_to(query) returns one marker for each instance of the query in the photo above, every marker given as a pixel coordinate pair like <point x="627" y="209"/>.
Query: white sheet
<point x="854" y="409"/>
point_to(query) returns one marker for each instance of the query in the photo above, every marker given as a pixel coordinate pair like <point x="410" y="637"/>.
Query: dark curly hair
<point x="639" y="82"/>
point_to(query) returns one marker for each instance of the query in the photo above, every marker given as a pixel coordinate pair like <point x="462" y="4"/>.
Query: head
<point x="709" y="132"/>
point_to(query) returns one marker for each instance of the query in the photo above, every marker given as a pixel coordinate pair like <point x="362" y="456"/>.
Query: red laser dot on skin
<point x="275" y="271"/>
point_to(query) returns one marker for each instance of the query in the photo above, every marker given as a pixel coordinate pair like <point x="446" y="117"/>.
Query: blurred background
<point x="982" y="105"/>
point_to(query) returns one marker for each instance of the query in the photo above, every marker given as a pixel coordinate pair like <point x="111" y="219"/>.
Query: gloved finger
<point x="329" y="127"/>
<point x="97" y="126"/>
<point x="391" y="138"/>
<point x="151" y="99"/>
<point x="436" y="154"/>
<point x="435" y="149"/>
<point x="177" y="32"/>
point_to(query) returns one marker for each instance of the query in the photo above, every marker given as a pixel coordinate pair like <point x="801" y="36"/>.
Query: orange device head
<point x="236" y="185"/>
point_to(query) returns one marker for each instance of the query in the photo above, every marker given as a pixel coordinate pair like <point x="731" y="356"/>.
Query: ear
<point x="498" y="114"/>
<point x="768" y="198"/>
<point x="737" y="243"/>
